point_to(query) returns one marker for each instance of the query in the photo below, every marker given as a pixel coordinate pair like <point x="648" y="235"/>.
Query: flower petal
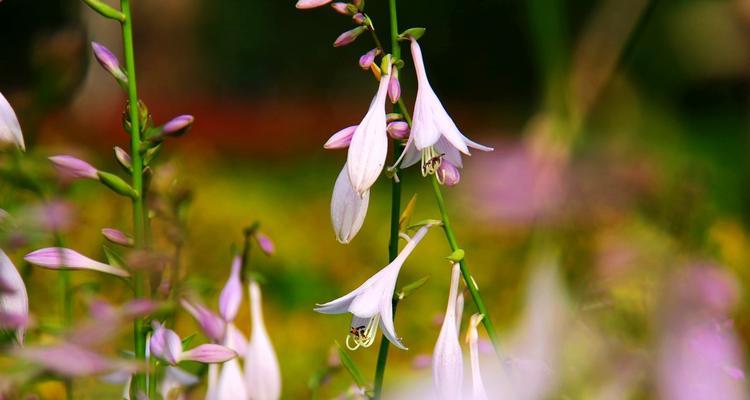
<point x="10" y="129"/>
<point x="341" y="139"/>
<point x="211" y="324"/>
<point x="369" y="145"/>
<point x="209" y="353"/>
<point x="262" y="373"/>
<point x="230" y="384"/>
<point x="348" y="209"/>
<point x="14" y="301"/>
<point x="447" y="364"/>
<point x="62" y="258"/>
<point x="231" y="295"/>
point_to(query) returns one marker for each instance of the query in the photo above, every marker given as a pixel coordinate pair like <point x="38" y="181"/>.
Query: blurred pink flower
<point x="231" y="295"/>
<point x="265" y="243"/>
<point x="72" y="167"/>
<point x="341" y="139"/>
<point x="478" y="391"/>
<point x="367" y="59"/>
<point x="117" y="237"/>
<point x="211" y="324"/>
<point x="349" y="36"/>
<point x="10" y="129"/>
<point x="166" y="345"/>
<point x="178" y="126"/>
<point x="14" y="301"/>
<point x="62" y="258"/>
<point x="72" y="360"/>
<point x="262" y="373"/>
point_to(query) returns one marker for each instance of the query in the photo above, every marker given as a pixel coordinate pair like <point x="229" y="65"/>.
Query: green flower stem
<point x="139" y="220"/>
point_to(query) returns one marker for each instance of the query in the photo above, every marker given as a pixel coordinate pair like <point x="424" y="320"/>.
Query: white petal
<point x="236" y="340"/>
<point x="348" y="209"/>
<point x="448" y="128"/>
<point x="10" y="129"/>
<point x="447" y="360"/>
<point x="451" y="153"/>
<point x="14" y="302"/>
<point x="369" y="145"/>
<point x="424" y="130"/>
<point x="477" y="387"/>
<point x="380" y="285"/>
<point x="411" y="154"/>
<point x="230" y="384"/>
<point x="262" y="373"/>
<point x="386" y="322"/>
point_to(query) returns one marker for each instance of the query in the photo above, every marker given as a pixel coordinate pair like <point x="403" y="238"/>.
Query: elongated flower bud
<point x="448" y="174"/>
<point x="349" y="36"/>
<point x="344" y="8"/>
<point x="10" y="129"/>
<point x="72" y="167"/>
<point x="117" y="237"/>
<point x="394" y="87"/>
<point x="211" y="324"/>
<point x="398" y="130"/>
<point x="307" y="4"/>
<point x="62" y="258"/>
<point x="359" y="18"/>
<point x="231" y="296"/>
<point x="117" y="184"/>
<point x="123" y="158"/>
<point x="265" y="243"/>
<point x="341" y="139"/>
<point x="178" y="126"/>
<point x="262" y="373"/>
<point x="367" y="59"/>
<point x="109" y="62"/>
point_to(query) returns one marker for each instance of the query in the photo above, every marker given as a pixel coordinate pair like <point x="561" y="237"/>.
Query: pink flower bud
<point x="117" y="237"/>
<point x="348" y="36"/>
<point x="123" y="158"/>
<point x="157" y="342"/>
<point x="344" y="8"/>
<point x="231" y="296"/>
<point x="359" y="18"/>
<point x="211" y="324"/>
<point x="448" y="174"/>
<point x="341" y="139"/>
<point x="308" y="4"/>
<point x="398" y="130"/>
<point x="394" y="87"/>
<point x="209" y="354"/>
<point x="62" y="258"/>
<point x="365" y="62"/>
<point x="72" y="167"/>
<point x="265" y="243"/>
<point x="178" y="126"/>
<point x="109" y="62"/>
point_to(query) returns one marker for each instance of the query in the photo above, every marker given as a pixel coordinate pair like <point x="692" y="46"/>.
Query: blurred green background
<point x="621" y="139"/>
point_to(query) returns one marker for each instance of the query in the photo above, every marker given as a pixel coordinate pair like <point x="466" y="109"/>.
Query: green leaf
<point x="350" y="366"/>
<point x="406" y="215"/>
<point x="415" y="33"/>
<point x="412" y="287"/>
<point x="105" y="10"/>
<point x="186" y="342"/>
<point x="424" y="222"/>
<point x="113" y="257"/>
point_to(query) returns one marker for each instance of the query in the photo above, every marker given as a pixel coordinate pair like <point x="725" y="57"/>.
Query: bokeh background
<point x="612" y="216"/>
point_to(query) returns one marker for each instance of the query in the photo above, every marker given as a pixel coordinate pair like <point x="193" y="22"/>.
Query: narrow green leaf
<point x="350" y="366"/>
<point x="412" y="287"/>
<point x="113" y="257"/>
<point x="105" y="10"/>
<point x="405" y="218"/>
<point x="186" y="342"/>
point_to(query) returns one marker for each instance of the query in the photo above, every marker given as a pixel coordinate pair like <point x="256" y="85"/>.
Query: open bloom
<point x="431" y="123"/>
<point x="447" y="360"/>
<point x="371" y="303"/>
<point x="10" y="129"/>
<point x="231" y="296"/>
<point x="369" y="145"/>
<point x="472" y="338"/>
<point x="348" y="208"/>
<point x="262" y="374"/>
<point x="62" y="258"/>
<point x="14" y="301"/>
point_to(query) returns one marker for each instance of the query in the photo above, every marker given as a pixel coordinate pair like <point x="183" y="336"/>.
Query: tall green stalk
<point x="139" y="216"/>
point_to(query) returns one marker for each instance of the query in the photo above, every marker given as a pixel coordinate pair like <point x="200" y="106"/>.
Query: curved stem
<point x="139" y="220"/>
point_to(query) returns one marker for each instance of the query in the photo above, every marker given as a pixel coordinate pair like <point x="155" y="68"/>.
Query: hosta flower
<point x="371" y="303"/>
<point x="262" y="374"/>
<point x="231" y="296"/>
<point x="10" y="129"/>
<point x="166" y="345"/>
<point x="447" y="359"/>
<point x="431" y="123"/>
<point x="230" y="383"/>
<point x="369" y="145"/>
<point x="306" y="4"/>
<point x="14" y="301"/>
<point x="62" y="258"/>
<point x="472" y="338"/>
<point x="348" y="208"/>
<point x="211" y="324"/>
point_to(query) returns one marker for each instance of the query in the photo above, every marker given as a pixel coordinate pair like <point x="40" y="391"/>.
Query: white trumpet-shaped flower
<point x="14" y="301"/>
<point x="348" y="209"/>
<point x="262" y="373"/>
<point x="447" y="360"/>
<point x="433" y="133"/>
<point x="472" y="338"/>
<point x="10" y="129"/>
<point x="371" y="303"/>
<point x="369" y="145"/>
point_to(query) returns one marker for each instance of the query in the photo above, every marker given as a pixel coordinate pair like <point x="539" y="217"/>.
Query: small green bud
<point x="456" y="256"/>
<point x="105" y="10"/>
<point x="117" y="184"/>
<point x="411" y="33"/>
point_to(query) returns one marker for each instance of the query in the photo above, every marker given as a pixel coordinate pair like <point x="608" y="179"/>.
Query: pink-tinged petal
<point x="265" y="243"/>
<point x="209" y="353"/>
<point x="236" y="340"/>
<point x="367" y="59"/>
<point x="178" y="126"/>
<point x="449" y="152"/>
<point x="348" y="208"/>
<point x="117" y="237"/>
<point x="386" y="324"/>
<point x="172" y="347"/>
<point x="341" y="139"/>
<point x="342" y="8"/>
<point x="14" y="301"/>
<point x="262" y="373"/>
<point x="68" y="360"/>
<point x="447" y="364"/>
<point x="62" y="258"/>
<point x="10" y="129"/>
<point x="472" y="338"/>
<point x="72" y="167"/>
<point x="307" y="4"/>
<point x="394" y="88"/>
<point x="123" y="158"/>
<point x="231" y="295"/>
<point x="157" y="343"/>
<point x="230" y="384"/>
<point x="138" y="308"/>
<point x="211" y="324"/>
<point x="337" y="306"/>
<point x="349" y="36"/>
<point x="369" y="146"/>
<point x="411" y="155"/>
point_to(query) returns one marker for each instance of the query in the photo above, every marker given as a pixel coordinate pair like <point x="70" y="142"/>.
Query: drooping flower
<point x="73" y="167"/>
<point x="371" y="303"/>
<point x="431" y="123"/>
<point x="166" y="345"/>
<point x="349" y="36"/>
<point x="447" y="359"/>
<point x="62" y="258"/>
<point x="369" y="145"/>
<point x="231" y="295"/>
<point x="211" y="324"/>
<point x="472" y="338"/>
<point x="262" y="374"/>
<point x="14" y="301"/>
<point x="348" y="208"/>
<point x="10" y="129"/>
<point x="307" y="4"/>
